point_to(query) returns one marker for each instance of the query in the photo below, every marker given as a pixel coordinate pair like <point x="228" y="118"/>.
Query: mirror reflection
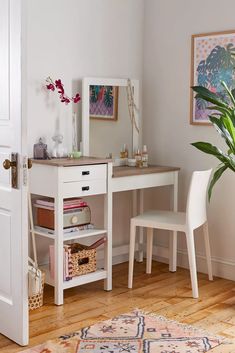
<point x="110" y="124"/>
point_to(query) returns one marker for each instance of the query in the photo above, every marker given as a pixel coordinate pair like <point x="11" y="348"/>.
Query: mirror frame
<point x="86" y="83"/>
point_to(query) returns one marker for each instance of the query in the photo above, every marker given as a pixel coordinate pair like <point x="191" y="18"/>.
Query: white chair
<point x="186" y="222"/>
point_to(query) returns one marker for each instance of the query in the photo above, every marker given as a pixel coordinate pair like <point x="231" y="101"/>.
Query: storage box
<point x="72" y="218"/>
<point x="83" y="260"/>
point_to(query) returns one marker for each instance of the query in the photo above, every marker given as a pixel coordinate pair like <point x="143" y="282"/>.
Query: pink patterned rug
<point x="135" y="332"/>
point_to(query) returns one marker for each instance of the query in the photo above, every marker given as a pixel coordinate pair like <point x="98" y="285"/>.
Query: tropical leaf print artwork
<point x="214" y="61"/>
<point x="102" y="102"/>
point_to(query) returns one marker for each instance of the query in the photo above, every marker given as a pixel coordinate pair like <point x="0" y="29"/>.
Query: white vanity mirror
<point x="107" y="120"/>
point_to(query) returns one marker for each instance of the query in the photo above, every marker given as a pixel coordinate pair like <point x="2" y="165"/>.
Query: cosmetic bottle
<point x="145" y="157"/>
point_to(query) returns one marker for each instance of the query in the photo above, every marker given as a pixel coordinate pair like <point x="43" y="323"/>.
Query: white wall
<point x="72" y="39"/>
<point x="166" y="100"/>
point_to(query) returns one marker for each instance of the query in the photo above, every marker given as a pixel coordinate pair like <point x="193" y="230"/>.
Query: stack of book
<point x="69" y="204"/>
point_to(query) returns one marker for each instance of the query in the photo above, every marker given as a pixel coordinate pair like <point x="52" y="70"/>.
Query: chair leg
<point x="173" y="252"/>
<point x="192" y="262"/>
<point x="149" y="250"/>
<point x="208" y="250"/>
<point x="131" y="254"/>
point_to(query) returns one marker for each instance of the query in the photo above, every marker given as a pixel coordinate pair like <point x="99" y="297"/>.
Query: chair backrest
<point x="197" y="196"/>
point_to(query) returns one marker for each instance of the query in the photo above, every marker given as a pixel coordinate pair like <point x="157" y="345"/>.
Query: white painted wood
<point x="208" y="250"/>
<point x="13" y="202"/>
<point x="108" y="223"/>
<point x="86" y="83"/>
<point x="42" y="180"/>
<point x="192" y="262"/>
<point x="149" y="250"/>
<point x="4" y="60"/>
<point x="173" y="235"/>
<point x="59" y="187"/>
<point x="84" y="188"/>
<point x="143" y="181"/>
<point x="186" y="222"/>
<point x="140" y="257"/>
<point x="59" y="254"/>
<point x="85" y="173"/>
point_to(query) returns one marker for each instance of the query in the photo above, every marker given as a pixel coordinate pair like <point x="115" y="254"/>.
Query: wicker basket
<point x="36" y="301"/>
<point x="83" y="260"/>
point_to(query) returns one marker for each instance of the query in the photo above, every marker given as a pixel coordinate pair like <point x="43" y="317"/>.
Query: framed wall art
<point x="213" y="61"/>
<point x="104" y="102"/>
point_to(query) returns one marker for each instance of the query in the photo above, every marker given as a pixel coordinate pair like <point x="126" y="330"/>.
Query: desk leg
<point x="173" y="235"/>
<point x="141" y="229"/>
<point x="59" y="251"/>
<point x="108" y="213"/>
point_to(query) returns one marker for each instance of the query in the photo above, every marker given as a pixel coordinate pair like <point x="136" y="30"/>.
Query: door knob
<point x="13" y="164"/>
<point x="30" y="163"/>
<point x="7" y="164"/>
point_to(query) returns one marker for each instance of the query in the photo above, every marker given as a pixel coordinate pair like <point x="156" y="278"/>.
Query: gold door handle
<point x="30" y="163"/>
<point x="8" y="164"/>
<point x="13" y="164"/>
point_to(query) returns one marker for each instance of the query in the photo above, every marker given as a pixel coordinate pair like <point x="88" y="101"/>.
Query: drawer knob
<point x="85" y="188"/>
<point x="85" y="172"/>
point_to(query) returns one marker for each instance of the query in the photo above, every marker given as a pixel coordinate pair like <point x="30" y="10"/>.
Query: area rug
<point x="135" y="332"/>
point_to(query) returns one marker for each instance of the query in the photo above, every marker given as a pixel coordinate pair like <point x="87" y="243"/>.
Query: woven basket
<point x="83" y="260"/>
<point x="36" y="301"/>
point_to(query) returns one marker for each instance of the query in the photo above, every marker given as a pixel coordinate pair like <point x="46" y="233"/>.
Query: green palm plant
<point x="223" y="119"/>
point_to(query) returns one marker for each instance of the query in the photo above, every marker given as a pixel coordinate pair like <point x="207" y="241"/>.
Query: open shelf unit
<point x="61" y="181"/>
<point x="72" y="235"/>
<point x="98" y="275"/>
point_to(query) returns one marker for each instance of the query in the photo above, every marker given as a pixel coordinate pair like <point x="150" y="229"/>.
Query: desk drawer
<point x="86" y="172"/>
<point x="84" y="188"/>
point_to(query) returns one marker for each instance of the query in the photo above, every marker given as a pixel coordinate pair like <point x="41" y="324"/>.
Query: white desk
<point x="131" y="178"/>
<point x="86" y="176"/>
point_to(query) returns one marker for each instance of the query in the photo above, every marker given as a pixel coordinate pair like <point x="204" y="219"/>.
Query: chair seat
<point x="162" y="220"/>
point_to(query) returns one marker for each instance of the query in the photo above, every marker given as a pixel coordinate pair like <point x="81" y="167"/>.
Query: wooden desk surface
<point x="129" y="171"/>
<point x="70" y="162"/>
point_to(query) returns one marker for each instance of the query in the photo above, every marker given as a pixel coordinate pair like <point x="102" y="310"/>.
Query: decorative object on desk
<point x="40" y="150"/>
<point x="75" y="152"/>
<point x="58" y="150"/>
<point x="104" y="102"/>
<point x="145" y="157"/>
<point x="138" y="159"/>
<point x="131" y="162"/>
<point x="76" y="213"/>
<point x="132" y="106"/>
<point x="136" y="332"/>
<point x="212" y="61"/>
<point x="223" y="119"/>
<point x="124" y="151"/>
<point x="57" y="85"/>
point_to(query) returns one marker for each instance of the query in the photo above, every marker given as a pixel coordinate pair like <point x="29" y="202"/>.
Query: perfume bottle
<point x="145" y="157"/>
<point x="40" y="150"/>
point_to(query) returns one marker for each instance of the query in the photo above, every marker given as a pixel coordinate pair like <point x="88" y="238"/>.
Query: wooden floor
<point x="164" y="293"/>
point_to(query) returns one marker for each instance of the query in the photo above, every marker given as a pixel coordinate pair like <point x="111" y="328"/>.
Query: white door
<point x="13" y="201"/>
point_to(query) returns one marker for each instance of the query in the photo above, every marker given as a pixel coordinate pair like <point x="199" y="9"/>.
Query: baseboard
<point x="221" y="268"/>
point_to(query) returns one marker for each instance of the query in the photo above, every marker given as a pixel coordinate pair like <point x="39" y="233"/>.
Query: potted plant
<point x="223" y="119"/>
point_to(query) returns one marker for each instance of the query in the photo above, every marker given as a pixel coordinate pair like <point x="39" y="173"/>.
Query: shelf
<point x="73" y="235"/>
<point x="76" y="281"/>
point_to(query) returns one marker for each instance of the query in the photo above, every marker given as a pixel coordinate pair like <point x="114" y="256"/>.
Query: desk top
<point x="129" y="171"/>
<point x="70" y="162"/>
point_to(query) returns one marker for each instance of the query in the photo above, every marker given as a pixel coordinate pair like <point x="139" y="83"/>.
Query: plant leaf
<point x="204" y="93"/>
<point x="215" y="178"/>
<point x="229" y="93"/>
